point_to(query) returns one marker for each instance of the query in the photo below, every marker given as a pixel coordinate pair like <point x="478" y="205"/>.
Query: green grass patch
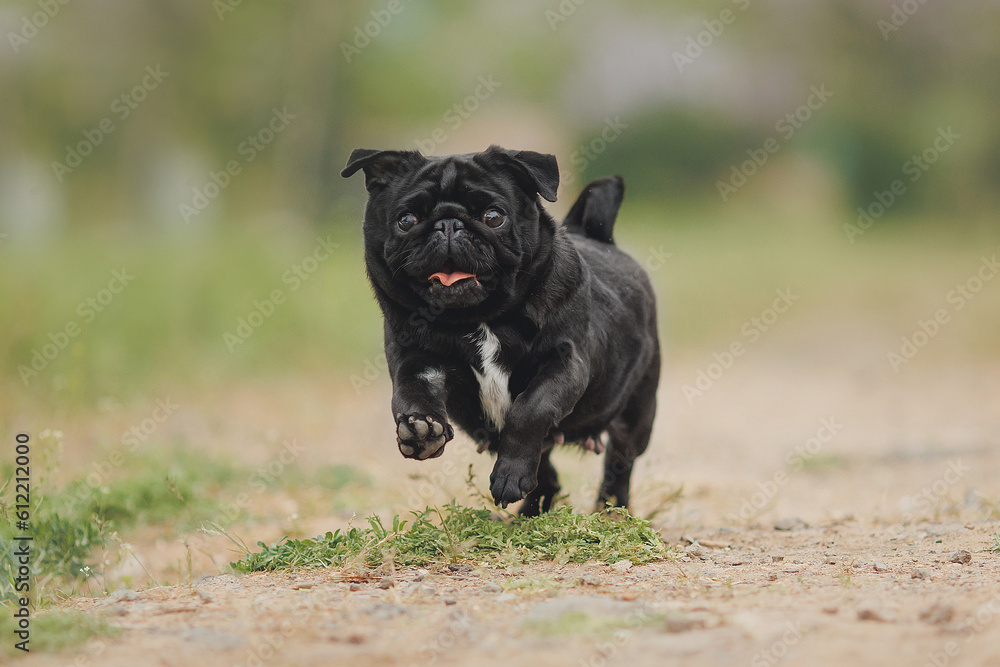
<point x="995" y="547"/>
<point x="55" y="631"/>
<point x="462" y="533"/>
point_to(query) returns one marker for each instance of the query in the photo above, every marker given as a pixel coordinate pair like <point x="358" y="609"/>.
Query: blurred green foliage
<point x="386" y="73"/>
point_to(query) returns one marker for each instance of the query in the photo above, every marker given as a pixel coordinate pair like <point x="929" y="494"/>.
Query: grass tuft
<point x="463" y="533"/>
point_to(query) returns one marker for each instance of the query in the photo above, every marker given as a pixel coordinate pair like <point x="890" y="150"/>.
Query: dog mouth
<point x="449" y="275"/>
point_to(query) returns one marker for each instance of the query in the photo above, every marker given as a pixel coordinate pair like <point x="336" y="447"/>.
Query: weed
<point x="56" y="630"/>
<point x="463" y="533"/>
<point x="995" y="547"/>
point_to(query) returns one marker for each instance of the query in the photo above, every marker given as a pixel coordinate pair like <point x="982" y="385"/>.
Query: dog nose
<point x="449" y="226"/>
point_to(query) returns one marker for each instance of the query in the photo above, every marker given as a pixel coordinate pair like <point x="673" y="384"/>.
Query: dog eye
<point x="494" y="218"/>
<point x="406" y="221"/>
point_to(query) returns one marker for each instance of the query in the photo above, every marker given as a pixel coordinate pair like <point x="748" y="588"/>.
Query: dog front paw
<point x="422" y="436"/>
<point x="512" y="480"/>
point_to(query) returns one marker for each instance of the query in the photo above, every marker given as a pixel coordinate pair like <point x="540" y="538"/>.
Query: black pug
<point x="523" y="332"/>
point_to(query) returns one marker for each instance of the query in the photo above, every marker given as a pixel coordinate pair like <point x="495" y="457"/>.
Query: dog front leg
<point x="419" y="403"/>
<point x="549" y="397"/>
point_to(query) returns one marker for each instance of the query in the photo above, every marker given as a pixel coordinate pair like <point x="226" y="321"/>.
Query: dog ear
<point x="595" y="210"/>
<point x="539" y="170"/>
<point x="379" y="166"/>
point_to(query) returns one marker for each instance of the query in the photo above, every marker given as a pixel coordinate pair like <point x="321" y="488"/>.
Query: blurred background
<point x="185" y="311"/>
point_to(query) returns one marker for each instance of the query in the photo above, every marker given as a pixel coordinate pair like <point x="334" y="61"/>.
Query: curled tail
<point x="594" y="212"/>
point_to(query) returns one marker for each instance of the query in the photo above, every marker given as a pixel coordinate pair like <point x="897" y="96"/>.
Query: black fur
<point x="573" y="315"/>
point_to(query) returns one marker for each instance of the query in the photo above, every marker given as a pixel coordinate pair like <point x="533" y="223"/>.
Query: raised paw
<point x="422" y="436"/>
<point x="512" y="480"/>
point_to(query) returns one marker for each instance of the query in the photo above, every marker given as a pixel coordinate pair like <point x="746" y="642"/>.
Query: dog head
<point x="457" y="232"/>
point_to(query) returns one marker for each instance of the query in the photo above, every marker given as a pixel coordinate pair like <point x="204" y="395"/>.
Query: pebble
<point x="790" y="523"/>
<point x="937" y="614"/>
<point x="122" y="595"/>
<point x="450" y="602"/>
<point x="920" y="573"/>
<point x="681" y="622"/>
<point x="421" y="575"/>
<point x="881" y="567"/>
<point x="777" y="559"/>
<point x="624" y="565"/>
<point x="355" y="586"/>
<point x="963" y="557"/>
<point x="386" y="583"/>
<point x="695" y="550"/>
<point x="492" y="588"/>
<point x="872" y="611"/>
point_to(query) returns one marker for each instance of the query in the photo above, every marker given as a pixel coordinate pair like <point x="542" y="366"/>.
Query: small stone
<point x="450" y="601"/>
<point x="421" y="575"/>
<point x="696" y="550"/>
<point x="773" y="576"/>
<point x="830" y="561"/>
<point x="386" y="583"/>
<point x="460" y="567"/>
<point x="937" y="614"/>
<point x="384" y="611"/>
<point x="831" y="609"/>
<point x="355" y="586"/>
<point x="920" y="573"/>
<point x="624" y="565"/>
<point x="122" y="595"/>
<point x="881" y="567"/>
<point x="205" y="597"/>
<point x="963" y="557"/>
<point x="492" y="588"/>
<point x="680" y="622"/>
<point x="790" y="523"/>
<point x="591" y="580"/>
<point x="777" y="559"/>
<point x="872" y="611"/>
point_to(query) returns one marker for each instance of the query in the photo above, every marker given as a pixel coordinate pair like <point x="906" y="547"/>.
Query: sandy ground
<point x="885" y="487"/>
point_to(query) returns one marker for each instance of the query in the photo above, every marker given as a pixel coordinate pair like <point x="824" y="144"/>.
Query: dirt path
<point x="886" y="487"/>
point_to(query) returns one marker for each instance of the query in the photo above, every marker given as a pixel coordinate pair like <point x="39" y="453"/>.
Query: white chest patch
<point x="494" y="393"/>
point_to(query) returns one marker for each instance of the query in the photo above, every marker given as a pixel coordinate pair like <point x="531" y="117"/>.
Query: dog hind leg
<point x="629" y="437"/>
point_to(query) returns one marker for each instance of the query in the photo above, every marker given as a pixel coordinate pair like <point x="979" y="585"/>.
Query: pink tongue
<point x="449" y="279"/>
